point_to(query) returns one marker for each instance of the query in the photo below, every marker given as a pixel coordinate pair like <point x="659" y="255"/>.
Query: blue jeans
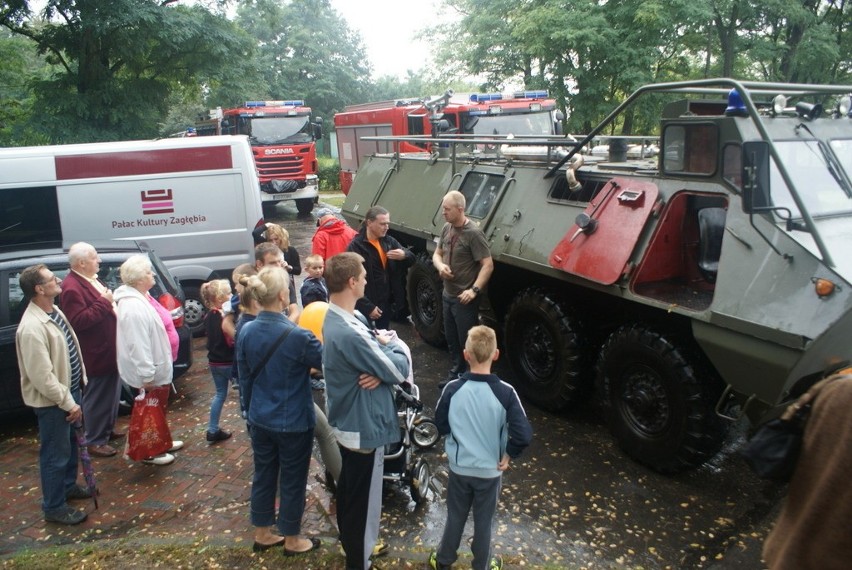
<point x="221" y="378"/>
<point x="458" y="320"/>
<point x="57" y="456"/>
<point x="281" y="462"/>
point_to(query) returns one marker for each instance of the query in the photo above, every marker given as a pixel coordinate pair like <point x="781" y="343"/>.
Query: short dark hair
<point x="29" y="278"/>
<point x="374" y="213"/>
<point x="262" y="249"/>
<point x="340" y="268"/>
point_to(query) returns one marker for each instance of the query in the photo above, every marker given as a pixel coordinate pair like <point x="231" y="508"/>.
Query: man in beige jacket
<point x="52" y="376"/>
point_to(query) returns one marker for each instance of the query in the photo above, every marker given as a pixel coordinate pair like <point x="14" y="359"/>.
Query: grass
<point x="332" y="197"/>
<point x="182" y="556"/>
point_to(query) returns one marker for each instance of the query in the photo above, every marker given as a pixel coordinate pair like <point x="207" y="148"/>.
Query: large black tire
<point x="659" y="409"/>
<point x="194" y="310"/>
<point x="305" y="205"/>
<point x="423" y="288"/>
<point x="545" y="350"/>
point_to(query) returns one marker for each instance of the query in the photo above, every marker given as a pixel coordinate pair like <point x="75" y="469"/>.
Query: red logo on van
<point x="157" y="201"/>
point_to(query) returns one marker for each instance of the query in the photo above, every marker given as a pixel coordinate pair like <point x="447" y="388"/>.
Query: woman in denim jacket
<point x="279" y="412"/>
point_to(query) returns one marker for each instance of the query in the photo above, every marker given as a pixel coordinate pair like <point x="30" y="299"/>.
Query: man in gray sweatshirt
<point x="361" y="369"/>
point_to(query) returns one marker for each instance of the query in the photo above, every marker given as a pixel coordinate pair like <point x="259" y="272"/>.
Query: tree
<point x="591" y="54"/>
<point x="306" y="51"/>
<point x="20" y="65"/>
<point x="119" y="60"/>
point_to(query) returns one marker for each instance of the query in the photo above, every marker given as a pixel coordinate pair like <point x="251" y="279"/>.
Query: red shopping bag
<point x="148" y="434"/>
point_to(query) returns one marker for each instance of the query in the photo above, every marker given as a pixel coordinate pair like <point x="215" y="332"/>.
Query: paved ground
<point x="204" y="493"/>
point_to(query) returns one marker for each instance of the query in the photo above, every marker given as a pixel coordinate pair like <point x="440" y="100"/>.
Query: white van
<point x="193" y="200"/>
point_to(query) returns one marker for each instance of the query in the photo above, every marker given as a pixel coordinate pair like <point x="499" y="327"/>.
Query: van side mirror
<point x="756" y="195"/>
<point x="318" y="128"/>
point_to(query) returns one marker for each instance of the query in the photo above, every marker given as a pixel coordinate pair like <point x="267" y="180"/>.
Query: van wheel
<point x="545" y="351"/>
<point x="659" y="410"/>
<point x="194" y="310"/>
<point x="305" y="205"/>
<point x="423" y="289"/>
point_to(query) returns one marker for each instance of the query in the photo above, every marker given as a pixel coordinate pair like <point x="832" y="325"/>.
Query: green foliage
<point x="590" y="55"/>
<point x="118" y="62"/>
<point x="306" y="51"/>
<point x="119" y="69"/>
<point x="329" y="174"/>
<point x="20" y="66"/>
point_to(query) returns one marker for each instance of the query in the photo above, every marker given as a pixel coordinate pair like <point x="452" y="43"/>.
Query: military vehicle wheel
<point x="305" y="205"/>
<point x="423" y="289"/>
<point x="543" y="346"/>
<point x="659" y="411"/>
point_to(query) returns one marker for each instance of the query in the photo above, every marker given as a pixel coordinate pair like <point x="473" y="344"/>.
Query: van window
<point x="29" y="215"/>
<point x="480" y="191"/>
<point x="17" y="304"/>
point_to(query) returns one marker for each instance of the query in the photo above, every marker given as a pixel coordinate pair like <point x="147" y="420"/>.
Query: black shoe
<point x="77" y="492"/>
<point x="218" y="435"/>
<point x="66" y="515"/>
<point x="330" y="483"/>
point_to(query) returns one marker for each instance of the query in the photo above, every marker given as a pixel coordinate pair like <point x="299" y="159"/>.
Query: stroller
<point x="400" y="463"/>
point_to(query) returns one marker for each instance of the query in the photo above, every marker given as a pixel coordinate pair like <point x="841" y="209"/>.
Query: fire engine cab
<point x="521" y="113"/>
<point x="283" y="142"/>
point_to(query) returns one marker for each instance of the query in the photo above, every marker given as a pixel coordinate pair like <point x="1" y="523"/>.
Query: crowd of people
<point x="73" y="363"/>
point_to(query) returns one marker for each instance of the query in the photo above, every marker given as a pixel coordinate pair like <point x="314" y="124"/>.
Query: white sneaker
<point x="176" y="444"/>
<point x="162" y="459"/>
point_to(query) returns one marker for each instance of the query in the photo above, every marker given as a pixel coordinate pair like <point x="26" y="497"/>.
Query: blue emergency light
<point x="541" y="94"/>
<point x="292" y="103"/>
<point x="736" y="107"/>
<point x="483" y="97"/>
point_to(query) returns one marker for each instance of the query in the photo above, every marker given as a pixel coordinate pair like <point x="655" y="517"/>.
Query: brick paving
<point x="204" y="494"/>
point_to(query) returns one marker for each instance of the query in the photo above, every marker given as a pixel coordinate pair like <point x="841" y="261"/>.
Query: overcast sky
<point x="388" y="28"/>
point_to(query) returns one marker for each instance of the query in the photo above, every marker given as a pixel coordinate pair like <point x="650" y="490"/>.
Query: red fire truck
<point x="520" y="113"/>
<point x="282" y="139"/>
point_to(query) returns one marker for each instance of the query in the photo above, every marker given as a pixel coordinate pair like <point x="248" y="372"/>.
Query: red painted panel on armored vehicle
<point x="617" y="215"/>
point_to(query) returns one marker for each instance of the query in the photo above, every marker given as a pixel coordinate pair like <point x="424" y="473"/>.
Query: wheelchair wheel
<point x="420" y="478"/>
<point x="424" y="433"/>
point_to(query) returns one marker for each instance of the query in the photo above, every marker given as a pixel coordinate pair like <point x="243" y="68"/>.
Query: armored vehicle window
<point x="843" y="150"/>
<point x="811" y="174"/>
<point x="480" y="191"/>
<point x="588" y="190"/>
<point x="29" y="215"/>
<point x="690" y="149"/>
<point x="732" y="165"/>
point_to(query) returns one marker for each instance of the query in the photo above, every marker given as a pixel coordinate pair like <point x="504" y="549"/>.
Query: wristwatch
<point x="475" y="289"/>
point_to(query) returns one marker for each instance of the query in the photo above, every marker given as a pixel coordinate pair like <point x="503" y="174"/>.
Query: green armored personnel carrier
<point x="690" y="288"/>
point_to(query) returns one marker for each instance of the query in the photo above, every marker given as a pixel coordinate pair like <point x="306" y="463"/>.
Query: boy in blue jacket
<point x="486" y="426"/>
